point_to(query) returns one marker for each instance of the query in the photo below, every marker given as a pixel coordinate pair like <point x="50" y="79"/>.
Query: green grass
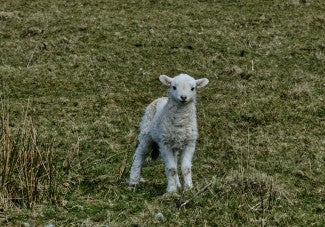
<point x="89" y="69"/>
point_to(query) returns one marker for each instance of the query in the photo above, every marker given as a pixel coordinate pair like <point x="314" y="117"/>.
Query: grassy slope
<point x="90" y="68"/>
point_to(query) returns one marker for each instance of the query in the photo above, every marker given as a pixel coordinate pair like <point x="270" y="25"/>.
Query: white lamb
<point x="170" y="125"/>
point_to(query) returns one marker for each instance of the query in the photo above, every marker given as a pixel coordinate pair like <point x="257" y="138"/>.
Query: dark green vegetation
<point x="89" y="68"/>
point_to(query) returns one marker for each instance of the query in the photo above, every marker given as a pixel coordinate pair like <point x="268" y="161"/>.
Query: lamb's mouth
<point x="183" y="101"/>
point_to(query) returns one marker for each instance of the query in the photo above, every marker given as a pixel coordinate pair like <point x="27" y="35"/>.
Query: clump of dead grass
<point x="263" y="190"/>
<point x="237" y="71"/>
<point x="28" y="168"/>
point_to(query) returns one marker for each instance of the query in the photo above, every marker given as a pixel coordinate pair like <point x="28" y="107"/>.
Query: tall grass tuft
<point x="27" y="168"/>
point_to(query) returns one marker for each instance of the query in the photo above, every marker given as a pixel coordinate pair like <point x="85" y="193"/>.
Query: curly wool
<point x="172" y="124"/>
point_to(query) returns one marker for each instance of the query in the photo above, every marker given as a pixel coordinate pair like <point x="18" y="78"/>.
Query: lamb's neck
<point x="178" y="112"/>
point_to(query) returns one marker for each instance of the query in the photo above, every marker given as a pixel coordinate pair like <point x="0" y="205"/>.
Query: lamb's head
<point x="183" y="87"/>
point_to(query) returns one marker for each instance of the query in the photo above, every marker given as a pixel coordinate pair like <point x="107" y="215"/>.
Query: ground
<point x="89" y="68"/>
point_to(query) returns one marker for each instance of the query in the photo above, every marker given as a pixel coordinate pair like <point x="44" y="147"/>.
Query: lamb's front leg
<point x="179" y="186"/>
<point x="170" y="168"/>
<point x="186" y="164"/>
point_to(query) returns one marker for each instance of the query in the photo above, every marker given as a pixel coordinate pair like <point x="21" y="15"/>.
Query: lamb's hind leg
<point x="138" y="159"/>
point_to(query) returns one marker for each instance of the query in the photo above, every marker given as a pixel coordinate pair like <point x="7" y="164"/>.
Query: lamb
<point x="169" y="126"/>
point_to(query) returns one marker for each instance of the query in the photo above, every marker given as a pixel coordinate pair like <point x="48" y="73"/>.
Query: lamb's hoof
<point x="133" y="183"/>
<point x="172" y="189"/>
<point x="132" y="187"/>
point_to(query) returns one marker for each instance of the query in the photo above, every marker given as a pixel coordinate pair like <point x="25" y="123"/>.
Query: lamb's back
<point x="151" y="112"/>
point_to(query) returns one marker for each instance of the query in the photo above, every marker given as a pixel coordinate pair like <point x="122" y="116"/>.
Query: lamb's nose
<point x="183" y="98"/>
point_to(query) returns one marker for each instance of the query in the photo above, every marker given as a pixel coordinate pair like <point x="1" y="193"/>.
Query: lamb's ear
<point x="201" y="82"/>
<point x="165" y="80"/>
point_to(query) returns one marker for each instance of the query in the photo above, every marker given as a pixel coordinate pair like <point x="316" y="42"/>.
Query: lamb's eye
<point x="192" y="89"/>
<point x="174" y="87"/>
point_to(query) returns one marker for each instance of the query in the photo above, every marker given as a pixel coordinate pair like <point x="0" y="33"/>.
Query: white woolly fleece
<point x="171" y="123"/>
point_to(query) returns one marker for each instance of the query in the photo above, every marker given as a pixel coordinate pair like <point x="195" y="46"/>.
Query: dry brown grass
<point x="27" y="168"/>
<point x="251" y="183"/>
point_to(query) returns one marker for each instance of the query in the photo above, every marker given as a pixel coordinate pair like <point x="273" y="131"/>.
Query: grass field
<point x="89" y="68"/>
